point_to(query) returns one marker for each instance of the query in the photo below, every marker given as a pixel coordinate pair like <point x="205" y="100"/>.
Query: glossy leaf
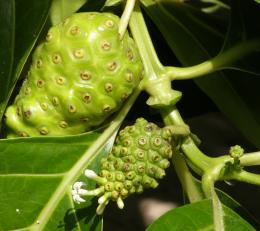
<point x="182" y="40"/>
<point x="242" y="28"/>
<point x="230" y="202"/>
<point x="30" y="17"/>
<point x="7" y="23"/>
<point x="198" y="216"/>
<point x="36" y="175"/>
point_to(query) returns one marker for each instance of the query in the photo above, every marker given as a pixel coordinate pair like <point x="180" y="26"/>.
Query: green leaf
<point x="7" y="24"/>
<point x="61" y="9"/>
<point x="198" y="216"/>
<point x="230" y="202"/>
<point x="36" y="175"/>
<point x="30" y="17"/>
<point x="182" y="39"/>
<point x="242" y="27"/>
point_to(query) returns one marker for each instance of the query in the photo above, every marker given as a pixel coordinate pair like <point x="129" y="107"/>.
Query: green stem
<point x="125" y="17"/>
<point x="208" y="185"/>
<point x="198" y="159"/>
<point x="141" y="35"/>
<point x="155" y="82"/>
<point x="247" y="177"/>
<point x="219" y="62"/>
<point x="250" y="159"/>
<point x="189" y="184"/>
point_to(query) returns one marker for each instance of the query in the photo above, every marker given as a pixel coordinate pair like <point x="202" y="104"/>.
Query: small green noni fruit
<point x="79" y="76"/>
<point x="137" y="160"/>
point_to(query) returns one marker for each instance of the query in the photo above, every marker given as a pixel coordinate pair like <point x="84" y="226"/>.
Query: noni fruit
<point x="137" y="161"/>
<point x="79" y="76"/>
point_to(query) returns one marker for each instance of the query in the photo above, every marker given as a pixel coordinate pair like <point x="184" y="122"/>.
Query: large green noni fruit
<point x="137" y="161"/>
<point x="79" y="76"/>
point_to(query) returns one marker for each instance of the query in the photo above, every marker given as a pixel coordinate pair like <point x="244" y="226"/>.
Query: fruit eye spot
<point x="108" y="87"/>
<point x="130" y="54"/>
<point x="84" y="120"/>
<point x="128" y="184"/>
<point x="40" y="83"/>
<point x="91" y="16"/>
<point x="72" y="108"/>
<point x="120" y="176"/>
<point x="118" y="186"/>
<point x="63" y="124"/>
<point x="56" y="59"/>
<point x="124" y="96"/>
<point x="39" y="63"/>
<point x="127" y="143"/>
<point x="85" y="75"/>
<point x="157" y="141"/>
<point x="23" y="134"/>
<point x="108" y="186"/>
<point x="106" y="46"/>
<point x="28" y="90"/>
<point x="109" y="23"/>
<point x="60" y="80"/>
<point x="127" y="167"/>
<point x="75" y="30"/>
<point x="86" y="97"/>
<point x="156" y="158"/>
<point x="140" y="154"/>
<point x="27" y="114"/>
<point x="141" y="168"/>
<point x="49" y="36"/>
<point x="149" y="127"/>
<point x="44" y="106"/>
<point x="107" y="108"/>
<point x="111" y="66"/>
<point x="55" y="101"/>
<point x="129" y="76"/>
<point x="110" y="176"/>
<point x="130" y="175"/>
<point x="151" y="170"/>
<point x="44" y="131"/>
<point x="142" y="141"/>
<point x="168" y="152"/>
<point x="78" y="54"/>
<point x="18" y="111"/>
<point x="124" y="151"/>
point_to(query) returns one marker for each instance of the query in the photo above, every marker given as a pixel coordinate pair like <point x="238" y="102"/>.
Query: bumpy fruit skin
<point x="137" y="161"/>
<point x="80" y="75"/>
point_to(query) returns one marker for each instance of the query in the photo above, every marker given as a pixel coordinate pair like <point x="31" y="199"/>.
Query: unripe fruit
<point x="137" y="161"/>
<point x="79" y="76"/>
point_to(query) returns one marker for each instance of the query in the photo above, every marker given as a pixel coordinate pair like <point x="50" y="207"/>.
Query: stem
<point x="141" y="35"/>
<point x="155" y="82"/>
<point x="247" y="177"/>
<point x="208" y="182"/>
<point x="195" y="156"/>
<point x="219" y="62"/>
<point x="189" y="184"/>
<point x="125" y="17"/>
<point x="250" y="159"/>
